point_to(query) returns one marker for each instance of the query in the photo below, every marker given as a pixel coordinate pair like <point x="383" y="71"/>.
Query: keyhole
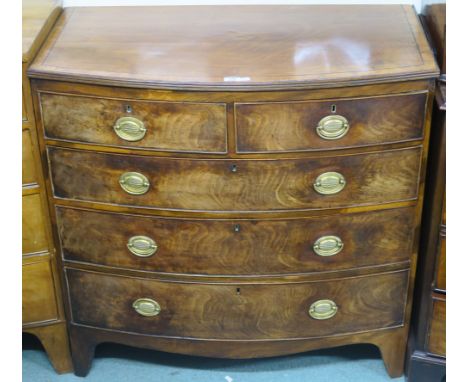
<point x="128" y="108"/>
<point x="233" y="168"/>
<point x="238" y="291"/>
<point x="237" y="228"/>
<point x="333" y="108"/>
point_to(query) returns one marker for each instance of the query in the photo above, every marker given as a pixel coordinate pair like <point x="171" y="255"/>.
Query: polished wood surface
<point x="236" y="247"/>
<point x="191" y="127"/>
<point x="244" y="312"/>
<point x="234" y="271"/>
<point x="436" y="336"/>
<point x="291" y="126"/>
<point x="34" y="232"/>
<point x="38" y="18"/>
<point x="186" y="184"/>
<point x="38" y="291"/>
<point x="233" y="47"/>
<point x="43" y="314"/>
<point x="29" y="175"/>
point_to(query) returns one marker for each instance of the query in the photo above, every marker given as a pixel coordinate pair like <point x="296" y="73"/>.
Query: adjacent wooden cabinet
<point x="426" y="351"/>
<point x="43" y="313"/>
<point x="236" y="181"/>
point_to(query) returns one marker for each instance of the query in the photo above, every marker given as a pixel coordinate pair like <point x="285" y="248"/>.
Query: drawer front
<point x="191" y="127"/>
<point x="437" y="331"/>
<point x="441" y="264"/>
<point x="38" y="292"/>
<point x="244" y="311"/>
<point x="236" y="247"/>
<point x="29" y="166"/>
<point x="34" y="234"/>
<point x="292" y="126"/>
<point x="236" y="185"/>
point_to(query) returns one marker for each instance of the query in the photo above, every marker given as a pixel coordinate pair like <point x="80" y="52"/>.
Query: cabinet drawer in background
<point x="292" y="126"/>
<point x="236" y="247"/>
<point x="237" y="311"/>
<point x="436" y="337"/>
<point x="170" y="126"/>
<point x="236" y="185"/>
<point x="38" y="292"/>
<point x="34" y="233"/>
<point x="29" y="175"/>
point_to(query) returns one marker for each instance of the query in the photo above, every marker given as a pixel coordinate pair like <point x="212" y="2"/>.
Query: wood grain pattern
<point x="29" y="175"/>
<point x="34" y="236"/>
<point x="192" y="127"/>
<point x="258" y="185"/>
<point x="436" y="335"/>
<point x="38" y="292"/>
<point x="291" y="126"/>
<point x="247" y="312"/>
<point x="237" y="47"/>
<point x="214" y="247"/>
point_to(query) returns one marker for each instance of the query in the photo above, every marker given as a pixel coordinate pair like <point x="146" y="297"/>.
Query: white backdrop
<point x="72" y="3"/>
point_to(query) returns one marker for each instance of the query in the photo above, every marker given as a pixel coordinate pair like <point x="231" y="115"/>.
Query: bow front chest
<point x="236" y="181"/>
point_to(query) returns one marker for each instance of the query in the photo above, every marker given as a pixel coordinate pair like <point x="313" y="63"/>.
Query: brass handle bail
<point x="130" y="129"/>
<point x="332" y="127"/>
<point x="329" y="183"/>
<point x="323" y="309"/>
<point x="134" y="183"/>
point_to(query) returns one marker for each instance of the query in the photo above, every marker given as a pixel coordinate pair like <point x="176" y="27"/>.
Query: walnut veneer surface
<point x="43" y="313"/>
<point x="190" y="165"/>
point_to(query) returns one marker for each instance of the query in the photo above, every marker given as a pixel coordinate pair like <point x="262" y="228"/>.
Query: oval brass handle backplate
<point x="130" y="129"/>
<point x="146" y="307"/>
<point x="323" y="309"/>
<point x="333" y="127"/>
<point x="134" y="183"/>
<point x="328" y="246"/>
<point x="329" y="183"/>
<point x="142" y="246"/>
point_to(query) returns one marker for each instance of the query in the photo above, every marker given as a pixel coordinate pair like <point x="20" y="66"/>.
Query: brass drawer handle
<point x="130" y="129"/>
<point x="142" y="246"/>
<point x="332" y="127"/>
<point x="328" y="246"/>
<point x="323" y="309"/>
<point x="134" y="183"/>
<point x="329" y="183"/>
<point x="146" y="307"/>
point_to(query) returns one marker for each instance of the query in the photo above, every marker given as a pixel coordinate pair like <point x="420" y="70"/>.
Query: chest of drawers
<point x="234" y="181"/>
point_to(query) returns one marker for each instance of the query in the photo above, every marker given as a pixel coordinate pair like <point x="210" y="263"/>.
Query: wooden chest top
<point x="38" y="18"/>
<point x="237" y="47"/>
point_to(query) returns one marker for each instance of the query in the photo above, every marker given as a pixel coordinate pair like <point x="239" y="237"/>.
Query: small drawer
<point x="236" y="185"/>
<point x="236" y="247"/>
<point x="165" y="126"/>
<point x="34" y="234"/>
<point x="29" y="164"/>
<point x="237" y="311"/>
<point x="436" y="338"/>
<point x="330" y="124"/>
<point x="38" y="292"/>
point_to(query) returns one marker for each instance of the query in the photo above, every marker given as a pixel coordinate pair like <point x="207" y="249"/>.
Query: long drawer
<point x="329" y="124"/>
<point x="166" y="126"/>
<point x="236" y="247"/>
<point x="236" y="185"/>
<point x="243" y="311"/>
